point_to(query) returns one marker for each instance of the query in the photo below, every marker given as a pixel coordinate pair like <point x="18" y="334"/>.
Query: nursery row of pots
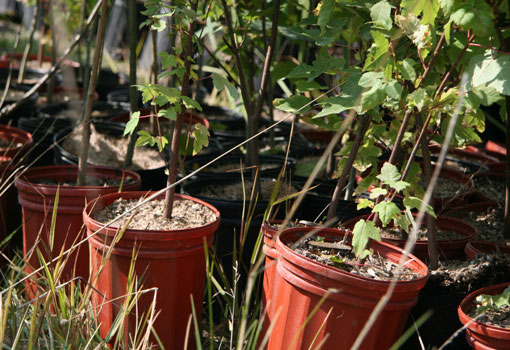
<point x="38" y="201"/>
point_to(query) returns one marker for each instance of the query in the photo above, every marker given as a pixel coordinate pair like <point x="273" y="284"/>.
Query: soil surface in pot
<point x="109" y="151"/>
<point x="448" y="188"/>
<point x="150" y="216"/>
<point x="235" y="191"/>
<point x="497" y="318"/>
<point x="89" y="181"/>
<point x="341" y="256"/>
<point x="489" y="223"/>
<point x="398" y="233"/>
<point x="461" y="274"/>
<point x="492" y="187"/>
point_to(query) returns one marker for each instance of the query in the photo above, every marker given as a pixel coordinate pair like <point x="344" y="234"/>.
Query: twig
<point x="85" y="141"/>
<point x="342" y="180"/>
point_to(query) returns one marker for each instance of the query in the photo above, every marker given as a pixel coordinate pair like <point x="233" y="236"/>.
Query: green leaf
<point x="427" y="8"/>
<point x="364" y="231"/>
<point x="489" y="71"/>
<point x="378" y="191"/>
<point x="387" y="211"/>
<point x="400" y="185"/>
<point x="447" y="31"/>
<point x="393" y="89"/>
<point x="378" y="52"/>
<point x="221" y="82"/>
<point x="475" y="118"/>
<point x="304" y="85"/>
<point x="487" y="95"/>
<point x="475" y="15"/>
<point x="447" y="6"/>
<point x="169" y="113"/>
<point x="159" y="25"/>
<point x="406" y="68"/>
<point x="364" y="203"/>
<point x="373" y="97"/>
<point x="293" y="104"/>
<point x="144" y="138"/>
<point x="418" y="98"/>
<point x="167" y="60"/>
<point x="326" y="8"/>
<point x="365" y="184"/>
<point x="201" y="140"/>
<point x="336" y="259"/>
<point x="132" y="123"/>
<point x="161" y="142"/>
<point x="368" y="79"/>
<point x="381" y="15"/>
<point x="402" y="221"/>
<point x="389" y="174"/>
<point x="191" y="103"/>
<point x="415" y="203"/>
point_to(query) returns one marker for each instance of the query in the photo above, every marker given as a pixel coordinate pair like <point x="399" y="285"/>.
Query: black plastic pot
<point x="152" y="179"/>
<point x="271" y="166"/>
<point x="231" y="220"/>
<point x="26" y="109"/>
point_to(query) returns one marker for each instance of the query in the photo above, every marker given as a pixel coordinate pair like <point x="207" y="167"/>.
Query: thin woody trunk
<point x="82" y="163"/>
<point x="431" y="222"/>
<point x="133" y="96"/>
<point x="342" y="180"/>
<point x="33" y="27"/>
<point x="176" y="135"/>
<point x="507" y="169"/>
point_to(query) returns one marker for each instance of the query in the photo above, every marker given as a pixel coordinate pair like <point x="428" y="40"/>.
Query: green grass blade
<point x="54" y="218"/>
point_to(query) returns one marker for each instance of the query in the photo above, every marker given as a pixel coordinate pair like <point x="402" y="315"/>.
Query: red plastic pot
<point x="20" y="142"/>
<point x="269" y="231"/>
<point x="171" y="261"/>
<point x="479" y="335"/>
<point x="474" y="248"/>
<point x="448" y="249"/>
<point x="348" y="299"/>
<point x="37" y="201"/>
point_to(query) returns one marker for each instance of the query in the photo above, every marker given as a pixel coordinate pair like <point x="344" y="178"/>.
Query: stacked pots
<point x="40" y="190"/>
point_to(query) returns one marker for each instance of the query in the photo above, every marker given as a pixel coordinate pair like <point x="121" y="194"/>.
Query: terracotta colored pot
<point x="473" y="248"/>
<point x="172" y="261"/>
<point x="37" y="201"/>
<point x="269" y="231"/>
<point x="448" y="249"/>
<point x="349" y="299"/>
<point x="482" y="336"/>
<point x="20" y="142"/>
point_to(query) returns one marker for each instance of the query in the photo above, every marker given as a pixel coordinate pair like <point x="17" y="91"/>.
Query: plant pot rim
<point x="221" y="181"/>
<point x="475" y="325"/>
<point x="335" y="273"/>
<point x="26" y="180"/>
<point x="100" y="202"/>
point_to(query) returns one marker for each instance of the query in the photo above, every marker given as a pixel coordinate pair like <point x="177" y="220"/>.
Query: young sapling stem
<point x="133" y="93"/>
<point x="82" y="162"/>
